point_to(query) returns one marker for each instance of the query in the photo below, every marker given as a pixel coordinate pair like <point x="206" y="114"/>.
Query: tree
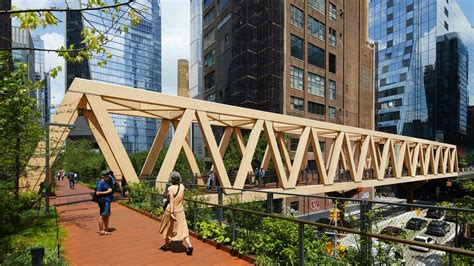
<point x="19" y="127"/>
<point x="20" y="130"/>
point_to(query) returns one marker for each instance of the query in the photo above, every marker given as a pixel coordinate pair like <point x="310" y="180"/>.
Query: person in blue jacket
<point x="105" y="194"/>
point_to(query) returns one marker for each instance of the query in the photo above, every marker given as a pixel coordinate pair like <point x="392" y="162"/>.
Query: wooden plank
<point x="175" y="146"/>
<point x="155" y="148"/>
<point x="112" y="138"/>
<point x="275" y="154"/>
<point x="298" y="161"/>
<point x="314" y="141"/>
<point x="211" y="143"/>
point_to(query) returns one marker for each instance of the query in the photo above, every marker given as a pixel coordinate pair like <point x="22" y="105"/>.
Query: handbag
<point x="166" y="201"/>
<point x="94" y="196"/>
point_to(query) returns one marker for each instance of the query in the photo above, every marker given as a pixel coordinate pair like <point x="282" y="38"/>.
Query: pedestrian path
<point x="135" y="240"/>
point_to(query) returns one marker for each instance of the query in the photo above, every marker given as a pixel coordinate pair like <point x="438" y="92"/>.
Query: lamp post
<point x="47" y="124"/>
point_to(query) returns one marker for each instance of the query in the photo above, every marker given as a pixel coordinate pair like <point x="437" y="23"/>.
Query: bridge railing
<point x="254" y="227"/>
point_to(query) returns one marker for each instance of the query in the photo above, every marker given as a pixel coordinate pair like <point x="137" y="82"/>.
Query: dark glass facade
<point x="409" y="35"/>
<point x="247" y="39"/>
<point x="135" y="62"/>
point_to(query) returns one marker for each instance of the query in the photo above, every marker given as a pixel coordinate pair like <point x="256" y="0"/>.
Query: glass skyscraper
<point x="413" y="38"/>
<point x="135" y="62"/>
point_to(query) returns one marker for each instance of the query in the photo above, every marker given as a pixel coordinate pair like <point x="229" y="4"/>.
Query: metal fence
<point x="371" y="232"/>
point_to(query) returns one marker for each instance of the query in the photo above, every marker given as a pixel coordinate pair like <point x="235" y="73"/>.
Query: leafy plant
<point x="214" y="230"/>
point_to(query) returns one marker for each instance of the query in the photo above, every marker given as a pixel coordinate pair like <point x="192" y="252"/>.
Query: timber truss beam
<point x="356" y="150"/>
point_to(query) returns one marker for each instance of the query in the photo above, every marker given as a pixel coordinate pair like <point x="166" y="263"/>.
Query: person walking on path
<point x="173" y="223"/>
<point x="210" y="180"/>
<point x="72" y="179"/>
<point x="261" y="177"/>
<point x="105" y="194"/>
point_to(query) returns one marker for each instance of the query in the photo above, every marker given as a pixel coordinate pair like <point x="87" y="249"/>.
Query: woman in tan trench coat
<point x="174" y="226"/>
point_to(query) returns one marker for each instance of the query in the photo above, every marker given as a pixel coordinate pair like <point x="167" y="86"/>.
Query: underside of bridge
<point x="355" y="150"/>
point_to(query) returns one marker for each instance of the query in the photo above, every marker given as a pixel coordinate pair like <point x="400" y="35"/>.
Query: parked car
<point x="392" y="231"/>
<point x="434" y="213"/>
<point x="422" y="239"/>
<point x="416" y="224"/>
<point x="438" y="228"/>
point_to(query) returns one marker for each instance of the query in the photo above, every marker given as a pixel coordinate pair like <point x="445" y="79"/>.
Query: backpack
<point x="113" y="184"/>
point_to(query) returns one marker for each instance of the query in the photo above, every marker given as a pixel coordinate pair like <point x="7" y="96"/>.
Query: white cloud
<point x="55" y="41"/>
<point x="23" y="4"/>
<point x="175" y="19"/>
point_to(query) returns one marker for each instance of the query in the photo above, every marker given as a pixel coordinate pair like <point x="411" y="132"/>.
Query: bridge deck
<point x="135" y="241"/>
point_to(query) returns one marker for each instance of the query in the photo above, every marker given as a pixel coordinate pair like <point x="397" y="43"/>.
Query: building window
<point x="405" y="62"/>
<point x="409" y="8"/>
<point x="209" y="59"/>
<point x="389" y="116"/>
<point x="408" y="49"/>
<point x="332" y="12"/>
<point x="316" y="108"/>
<point x="318" y="5"/>
<point x="223" y="21"/>
<point x="332" y="37"/>
<point x="297" y="77"/>
<point x="390" y="17"/>
<point x="390" y="104"/>
<point x="332" y="112"/>
<point x="221" y="4"/>
<point x="316" y="84"/>
<point x="297" y="104"/>
<point x="332" y="63"/>
<point x="389" y="3"/>
<point x="385" y="69"/>
<point x="209" y="39"/>
<point x="389" y="43"/>
<point x="209" y="17"/>
<point x="332" y="90"/>
<point x="446" y="12"/>
<point x="389" y="30"/>
<point x="317" y="29"/>
<point x="403" y="76"/>
<point x="446" y="26"/>
<point x="316" y="56"/>
<point x="297" y="47"/>
<point x="388" y="56"/>
<point x="210" y="80"/>
<point x="409" y="22"/>
<point x="297" y="17"/>
<point x="390" y="92"/>
<point x="207" y="3"/>
<point x="409" y="36"/>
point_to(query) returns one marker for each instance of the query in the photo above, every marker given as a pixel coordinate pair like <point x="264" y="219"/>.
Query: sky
<point x="175" y="19"/>
<point x="175" y="15"/>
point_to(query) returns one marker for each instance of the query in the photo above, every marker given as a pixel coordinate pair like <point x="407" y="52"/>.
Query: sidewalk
<point x="134" y="242"/>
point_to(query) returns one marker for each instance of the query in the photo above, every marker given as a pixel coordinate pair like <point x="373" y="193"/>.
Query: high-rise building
<point x="195" y="62"/>
<point x="22" y="39"/>
<point x="135" y="62"/>
<point x="303" y="58"/>
<point x="6" y="27"/>
<point x="422" y="70"/>
<point x="40" y="70"/>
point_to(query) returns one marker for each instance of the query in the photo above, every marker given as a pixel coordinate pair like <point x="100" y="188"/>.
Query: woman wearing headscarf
<point x="174" y="226"/>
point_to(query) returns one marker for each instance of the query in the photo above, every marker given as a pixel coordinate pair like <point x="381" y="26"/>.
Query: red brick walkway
<point x="135" y="241"/>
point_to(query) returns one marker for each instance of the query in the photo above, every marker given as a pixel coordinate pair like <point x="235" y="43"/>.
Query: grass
<point x="34" y="230"/>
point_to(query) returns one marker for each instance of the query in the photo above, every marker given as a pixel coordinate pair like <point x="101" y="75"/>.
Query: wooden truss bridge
<point x="410" y="159"/>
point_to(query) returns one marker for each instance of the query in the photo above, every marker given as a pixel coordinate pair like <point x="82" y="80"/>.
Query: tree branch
<point x="55" y="9"/>
<point x="44" y="50"/>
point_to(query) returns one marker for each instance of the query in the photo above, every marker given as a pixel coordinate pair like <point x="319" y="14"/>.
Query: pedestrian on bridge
<point x="105" y="196"/>
<point x="173" y="223"/>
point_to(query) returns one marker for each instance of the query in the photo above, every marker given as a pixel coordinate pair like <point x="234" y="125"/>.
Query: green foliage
<point x="79" y="157"/>
<point x="121" y="14"/>
<point x="145" y="198"/>
<point x="212" y="229"/>
<point x="19" y="127"/>
<point x="24" y="226"/>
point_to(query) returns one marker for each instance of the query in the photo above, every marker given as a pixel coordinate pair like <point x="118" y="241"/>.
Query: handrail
<point x="463" y="252"/>
<point x="336" y="198"/>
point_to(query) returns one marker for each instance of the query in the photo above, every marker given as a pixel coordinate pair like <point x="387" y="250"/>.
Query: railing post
<point x="195" y="217"/>
<point x="233" y="226"/>
<point x="301" y="244"/>
<point x="450" y="263"/>
<point x="365" y="226"/>
<point x="269" y="202"/>
<point x="220" y="199"/>
<point x="456" y="237"/>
